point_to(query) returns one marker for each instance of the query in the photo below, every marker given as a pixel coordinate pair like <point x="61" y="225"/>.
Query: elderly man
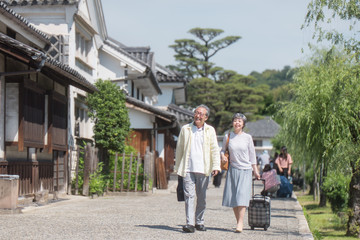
<point x="197" y="156"/>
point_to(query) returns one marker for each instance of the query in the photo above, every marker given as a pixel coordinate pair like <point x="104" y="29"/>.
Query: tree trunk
<point x="105" y="159"/>
<point x="322" y="202"/>
<point x="315" y="183"/>
<point x="353" y="226"/>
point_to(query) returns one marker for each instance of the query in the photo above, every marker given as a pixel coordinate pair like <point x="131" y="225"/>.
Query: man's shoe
<point x="189" y="228"/>
<point x="200" y="227"/>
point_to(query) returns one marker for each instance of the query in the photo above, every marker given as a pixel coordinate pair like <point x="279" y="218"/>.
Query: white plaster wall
<point x="140" y="119"/>
<point x="83" y="8"/>
<point x="267" y="143"/>
<point x="12" y="112"/>
<point x="167" y="93"/>
<point x="2" y="134"/>
<point x="165" y="98"/>
<point x="109" y="67"/>
<point x="71" y="117"/>
<point x="160" y="144"/>
<point x="51" y="20"/>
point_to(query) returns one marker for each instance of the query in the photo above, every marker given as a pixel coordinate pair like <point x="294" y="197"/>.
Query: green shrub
<point x="98" y="181"/>
<point x="336" y="187"/>
<point x="128" y="151"/>
<point x="80" y="173"/>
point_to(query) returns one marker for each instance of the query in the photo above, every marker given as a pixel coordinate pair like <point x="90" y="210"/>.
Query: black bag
<point x="259" y="212"/>
<point x="180" y="189"/>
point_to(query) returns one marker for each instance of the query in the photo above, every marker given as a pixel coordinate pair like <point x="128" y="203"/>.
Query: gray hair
<point x="206" y="107"/>
<point x="241" y="116"/>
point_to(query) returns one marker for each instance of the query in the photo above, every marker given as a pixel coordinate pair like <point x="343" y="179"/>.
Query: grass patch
<point x="322" y="222"/>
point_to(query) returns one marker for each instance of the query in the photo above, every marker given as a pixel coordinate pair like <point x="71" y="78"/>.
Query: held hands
<point x="257" y="175"/>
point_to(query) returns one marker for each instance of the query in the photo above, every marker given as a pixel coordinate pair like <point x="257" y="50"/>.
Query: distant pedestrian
<point x="197" y="157"/>
<point x="237" y="190"/>
<point x="264" y="159"/>
<point x="284" y="162"/>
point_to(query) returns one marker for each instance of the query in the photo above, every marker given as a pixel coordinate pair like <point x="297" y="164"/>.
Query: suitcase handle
<point x="254" y="179"/>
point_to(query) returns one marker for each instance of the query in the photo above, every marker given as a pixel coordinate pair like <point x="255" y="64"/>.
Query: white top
<point x="265" y="159"/>
<point x="242" y="150"/>
<point x="196" y="159"/>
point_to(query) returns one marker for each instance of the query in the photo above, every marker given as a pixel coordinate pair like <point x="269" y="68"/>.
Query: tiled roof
<point x="119" y="47"/>
<point x="142" y="53"/>
<point x="151" y="108"/>
<point x="182" y="114"/>
<point x="167" y="75"/>
<point x="36" y="58"/>
<point x="74" y="75"/>
<point x="40" y="2"/>
<point x="5" y="10"/>
<point x="140" y="58"/>
<point x="35" y="55"/>
<point x="264" y="128"/>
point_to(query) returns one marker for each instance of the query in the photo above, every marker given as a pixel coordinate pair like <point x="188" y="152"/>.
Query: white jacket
<point x="210" y="147"/>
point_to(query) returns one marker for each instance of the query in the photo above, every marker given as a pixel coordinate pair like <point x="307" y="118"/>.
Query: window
<point x="258" y="143"/>
<point x="83" y="49"/>
<point x="81" y="120"/>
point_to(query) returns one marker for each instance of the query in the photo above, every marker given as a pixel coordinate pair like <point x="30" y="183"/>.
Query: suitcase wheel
<point x="265" y="228"/>
<point x="252" y="228"/>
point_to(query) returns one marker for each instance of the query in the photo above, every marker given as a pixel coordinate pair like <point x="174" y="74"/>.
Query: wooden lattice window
<point x="32" y="115"/>
<point x="57" y="122"/>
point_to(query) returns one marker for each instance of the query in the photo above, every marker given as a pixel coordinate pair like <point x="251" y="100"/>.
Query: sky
<point x="270" y="30"/>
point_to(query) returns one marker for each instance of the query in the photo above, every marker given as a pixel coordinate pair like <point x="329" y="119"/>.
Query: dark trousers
<point x="284" y="173"/>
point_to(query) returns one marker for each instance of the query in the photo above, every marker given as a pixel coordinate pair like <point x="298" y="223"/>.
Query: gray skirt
<point x="237" y="190"/>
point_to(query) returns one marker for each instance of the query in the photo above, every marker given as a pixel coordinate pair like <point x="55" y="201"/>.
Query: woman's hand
<point x="224" y="159"/>
<point x="256" y="174"/>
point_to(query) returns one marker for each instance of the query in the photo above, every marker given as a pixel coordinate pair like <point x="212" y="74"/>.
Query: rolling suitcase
<point x="259" y="211"/>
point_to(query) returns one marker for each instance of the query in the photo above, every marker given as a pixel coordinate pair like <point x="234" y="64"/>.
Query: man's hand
<point x="215" y="172"/>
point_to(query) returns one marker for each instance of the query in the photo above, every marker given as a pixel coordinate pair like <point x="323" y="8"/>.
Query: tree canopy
<point x="322" y="118"/>
<point x="193" y="56"/>
<point x="227" y="96"/>
<point x="324" y="14"/>
<point x="108" y="110"/>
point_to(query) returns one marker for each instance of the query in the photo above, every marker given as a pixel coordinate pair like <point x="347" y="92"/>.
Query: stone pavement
<point x="155" y="215"/>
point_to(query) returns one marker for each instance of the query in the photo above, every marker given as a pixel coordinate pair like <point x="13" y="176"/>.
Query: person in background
<point x="197" y="157"/>
<point x="272" y="162"/>
<point x="284" y="162"/>
<point x="265" y="159"/>
<point x="237" y="190"/>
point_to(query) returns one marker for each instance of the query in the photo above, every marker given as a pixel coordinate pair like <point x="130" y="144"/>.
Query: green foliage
<point x="323" y="223"/>
<point x="193" y="57"/>
<point x="322" y="14"/>
<point x="128" y="151"/>
<point x="274" y="78"/>
<point x="108" y="110"/>
<point x="280" y="84"/>
<point x="336" y="186"/>
<point x="81" y="171"/>
<point x="225" y="97"/>
<point x="98" y="181"/>
<point x="324" y="111"/>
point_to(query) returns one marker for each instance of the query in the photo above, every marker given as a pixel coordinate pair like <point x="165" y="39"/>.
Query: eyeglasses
<point x="200" y="114"/>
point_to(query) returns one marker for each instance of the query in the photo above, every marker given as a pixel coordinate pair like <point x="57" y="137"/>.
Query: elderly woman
<point x="237" y="191"/>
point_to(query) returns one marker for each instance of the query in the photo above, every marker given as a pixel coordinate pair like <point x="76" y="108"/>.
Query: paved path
<point x="155" y="215"/>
